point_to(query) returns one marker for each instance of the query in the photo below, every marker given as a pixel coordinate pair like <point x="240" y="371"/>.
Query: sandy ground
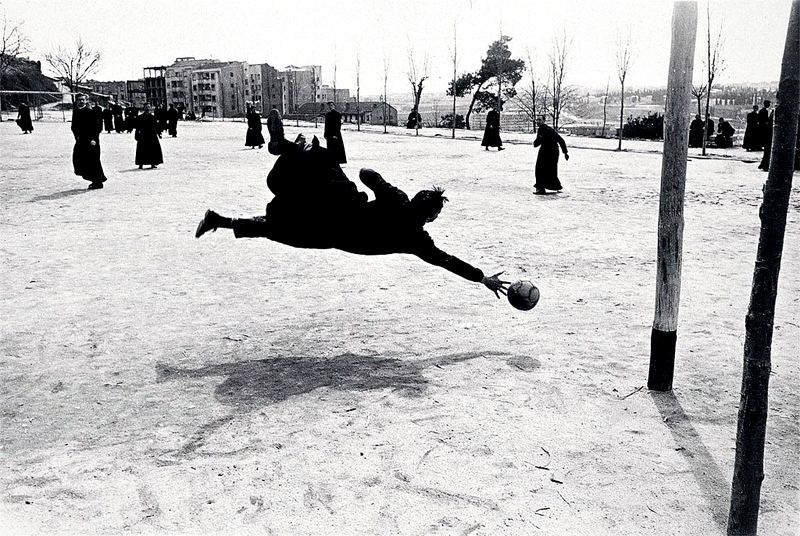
<point x="154" y="383"/>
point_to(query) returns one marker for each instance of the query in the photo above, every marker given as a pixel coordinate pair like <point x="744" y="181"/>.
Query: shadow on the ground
<point x="59" y="195"/>
<point x="707" y="474"/>
<point x="253" y="383"/>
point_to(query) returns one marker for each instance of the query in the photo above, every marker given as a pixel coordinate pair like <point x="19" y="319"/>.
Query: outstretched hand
<point x="494" y="284"/>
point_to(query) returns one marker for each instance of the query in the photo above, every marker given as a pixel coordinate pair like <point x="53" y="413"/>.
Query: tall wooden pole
<point x="670" y="212"/>
<point x="748" y="469"/>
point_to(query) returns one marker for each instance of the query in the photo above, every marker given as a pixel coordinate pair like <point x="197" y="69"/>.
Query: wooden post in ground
<point x="670" y="211"/>
<point x="748" y="469"/>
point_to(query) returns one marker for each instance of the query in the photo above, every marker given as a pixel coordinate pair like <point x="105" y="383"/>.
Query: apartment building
<point x="264" y="87"/>
<point x="178" y="81"/>
<point x="154" y="85"/>
<point x="329" y="94"/>
<point x="218" y="89"/>
<point x="300" y="85"/>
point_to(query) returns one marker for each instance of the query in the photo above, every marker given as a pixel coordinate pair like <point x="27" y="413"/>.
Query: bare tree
<point x="13" y="44"/>
<point x="698" y="92"/>
<point x="385" y="84"/>
<point x="605" y="108"/>
<point x="623" y="60"/>
<point x="558" y="56"/>
<point x="714" y="65"/>
<point x="417" y="73"/>
<point x="75" y="65"/>
<point x="748" y="468"/>
<point x="455" y="76"/>
<point x="530" y="96"/>
<point x="358" y="91"/>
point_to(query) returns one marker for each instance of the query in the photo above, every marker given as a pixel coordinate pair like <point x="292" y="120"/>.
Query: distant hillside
<point x="26" y="75"/>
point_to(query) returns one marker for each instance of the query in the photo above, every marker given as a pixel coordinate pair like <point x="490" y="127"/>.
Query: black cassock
<point x="547" y="160"/>
<point x="85" y="156"/>
<point x="751" y="136"/>
<point x="108" y="119"/>
<point x="491" y="135"/>
<point x="148" y="148"/>
<point x="24" y="120"/>
<point x="172" y="122"/>
<point x="254" y="137"/>
<point x="333" y="134"/>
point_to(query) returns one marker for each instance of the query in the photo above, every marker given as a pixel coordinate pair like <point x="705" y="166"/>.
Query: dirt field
<point x="154" y="383"/>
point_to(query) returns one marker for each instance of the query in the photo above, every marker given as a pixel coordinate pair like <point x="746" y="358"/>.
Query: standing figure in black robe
<point x="491" y="134"/>
<point x="119" y="120"/>
<point x="132" y="115"/>
<point x="317" y="206"/>
<point x="254" y="137"/>
<point x="24" y="118"/>
<point x="751" y="140"/>
<point x="547" y="160"/>
<point x="696" y="132"/>
<point x="172" y="121"/>
<point x="108" y="119"/>
<point x="86" y="153"/>
<point x="98" y="112"/>
<point x="148" y="148"/>
<point x="765" y="122"/>
<point x="160" y="114"/>
<point x="333" y="133"/>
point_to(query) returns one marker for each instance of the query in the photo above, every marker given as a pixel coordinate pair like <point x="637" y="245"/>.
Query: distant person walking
<point x="751" y="135"/>
<point x="547" y="160"/>
<point x="333" y="133"/>
<point x="172" y="121"/>
<point x="86" y="153"/>
<point x="254" y="137"/>
<point x="765" y="119"/>
<point x="148" y="148"/>
<point x="24" y="118"/>
<point x="491" y="134"/>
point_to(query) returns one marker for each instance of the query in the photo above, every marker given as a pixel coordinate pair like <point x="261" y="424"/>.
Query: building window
<point x="231" y="75"/>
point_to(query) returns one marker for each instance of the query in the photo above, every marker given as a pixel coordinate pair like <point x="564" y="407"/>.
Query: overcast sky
<point x="133" y="35"/>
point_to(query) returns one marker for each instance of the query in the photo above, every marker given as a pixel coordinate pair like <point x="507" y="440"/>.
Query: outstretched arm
<point x="433" y="255"/>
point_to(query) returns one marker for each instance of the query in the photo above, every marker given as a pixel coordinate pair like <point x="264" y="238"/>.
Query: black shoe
<point x="275" y="129"/>
<point x="208" y="223"/>
<point x="95" y="186"/>
<point x="539" y="191"/>
<point x="370" y="178"/>
<point x="501" y="148"/>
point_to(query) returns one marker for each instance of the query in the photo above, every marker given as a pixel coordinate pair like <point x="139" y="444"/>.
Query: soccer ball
<point x="523" y="295"/>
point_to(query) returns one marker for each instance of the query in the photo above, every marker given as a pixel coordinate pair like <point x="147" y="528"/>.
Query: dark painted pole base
<point x="662" y="360"/>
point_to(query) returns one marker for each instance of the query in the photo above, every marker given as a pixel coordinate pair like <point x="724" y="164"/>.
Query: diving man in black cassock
<point x="317" y="206"/>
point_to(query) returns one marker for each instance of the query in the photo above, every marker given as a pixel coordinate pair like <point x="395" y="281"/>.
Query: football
<point x="523" y="295"/>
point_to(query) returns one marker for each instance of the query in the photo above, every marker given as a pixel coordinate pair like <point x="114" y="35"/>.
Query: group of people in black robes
<point x="87" y="124"/>
<point x="24" y="121"/>
<point x="758" y="132"/>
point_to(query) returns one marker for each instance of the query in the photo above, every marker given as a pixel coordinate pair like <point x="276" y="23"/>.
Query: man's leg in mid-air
<point x="384" y="192"/>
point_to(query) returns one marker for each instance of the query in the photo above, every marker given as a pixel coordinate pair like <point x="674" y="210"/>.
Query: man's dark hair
<point x="427" y="203"/>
